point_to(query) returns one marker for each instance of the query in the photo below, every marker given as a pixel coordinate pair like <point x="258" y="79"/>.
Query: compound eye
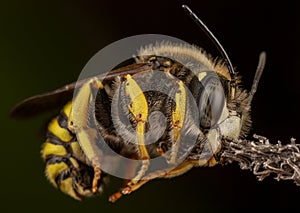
<point x="212" y="100"/>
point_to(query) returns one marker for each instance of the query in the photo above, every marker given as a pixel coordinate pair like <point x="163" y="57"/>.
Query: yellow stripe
<point x="52" y="170"/>
<point x="66" y="186"/>
<point x="67" y="108"/>
<point x="76" y="148"/>
<point x="74" y="162"/>
<point x="62" y="133"/>
<point x="53" y="149"/>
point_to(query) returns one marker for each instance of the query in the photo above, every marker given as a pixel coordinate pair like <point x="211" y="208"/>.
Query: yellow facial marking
<point x="53" y="169"/>
<point x="53" y="149"/>
<point x="60" y="132"/>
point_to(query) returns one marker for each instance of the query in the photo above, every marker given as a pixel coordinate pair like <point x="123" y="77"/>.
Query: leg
<point x="79" y="123"/>
<point x="182" y="168"/>
<point x="96" y="178"/>
<point x="139" y="110"/>
<point x="177" y="120"/>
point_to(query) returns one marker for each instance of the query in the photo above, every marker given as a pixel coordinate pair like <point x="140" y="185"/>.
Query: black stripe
<point x="55" y="140"/>
<point x="63" y="120"/>
<point x="62" y="176"/>
<point x="54" y="159"/>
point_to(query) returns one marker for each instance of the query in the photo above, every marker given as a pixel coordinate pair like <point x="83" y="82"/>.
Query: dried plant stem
<point x="264" y="158"/>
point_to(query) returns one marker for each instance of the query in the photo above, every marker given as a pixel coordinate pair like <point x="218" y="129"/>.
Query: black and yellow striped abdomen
<point x="66" y="166"/>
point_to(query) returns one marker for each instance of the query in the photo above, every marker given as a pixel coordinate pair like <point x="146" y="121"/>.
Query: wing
<point x="37" y="104"/>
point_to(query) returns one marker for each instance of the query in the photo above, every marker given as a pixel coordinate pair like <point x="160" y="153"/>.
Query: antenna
<point x="259" y="71"/>
<point x="212" y="38"/>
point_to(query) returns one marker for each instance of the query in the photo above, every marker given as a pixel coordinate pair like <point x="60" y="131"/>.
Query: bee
<point x="175" y="103"/>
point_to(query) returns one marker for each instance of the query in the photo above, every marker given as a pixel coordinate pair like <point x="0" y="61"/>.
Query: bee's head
<point x="226" y="114"/>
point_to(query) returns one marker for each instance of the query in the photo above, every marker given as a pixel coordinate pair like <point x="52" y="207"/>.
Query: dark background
<point x="45" y="44"/>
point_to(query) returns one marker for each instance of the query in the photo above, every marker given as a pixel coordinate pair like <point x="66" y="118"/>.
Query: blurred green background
<point x="45" y="44"/>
